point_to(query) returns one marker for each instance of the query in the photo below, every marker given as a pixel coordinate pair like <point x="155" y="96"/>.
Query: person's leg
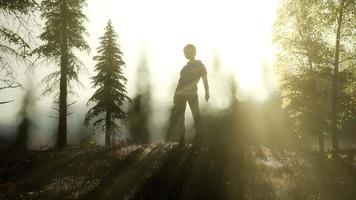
<point x="180" y="115"/>
<point x="172" y="127"/>
<point x="194" y="107"/>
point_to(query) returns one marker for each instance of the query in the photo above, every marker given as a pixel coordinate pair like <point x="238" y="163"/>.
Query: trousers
<point x="179" y="109"/>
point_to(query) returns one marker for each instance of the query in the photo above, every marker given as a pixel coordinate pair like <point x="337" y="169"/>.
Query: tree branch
<point x="52" y="117"/>
<point x="347" y="59"/>
<point x="11" y="86"/>
<point x="5" y="102"/>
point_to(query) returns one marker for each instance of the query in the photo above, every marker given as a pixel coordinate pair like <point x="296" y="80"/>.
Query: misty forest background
<point x="298" y="143"/>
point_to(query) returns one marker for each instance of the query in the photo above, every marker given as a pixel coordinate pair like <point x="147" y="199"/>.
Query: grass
<point x="169" y="171"/>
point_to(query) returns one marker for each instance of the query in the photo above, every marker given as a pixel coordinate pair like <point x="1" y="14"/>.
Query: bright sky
<point x="238" y="31"/>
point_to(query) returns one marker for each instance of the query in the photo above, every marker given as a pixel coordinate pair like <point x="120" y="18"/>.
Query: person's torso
<point x="189" y="78"/>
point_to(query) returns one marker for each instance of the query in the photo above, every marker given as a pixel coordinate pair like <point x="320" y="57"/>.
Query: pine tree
<point x="63" y="34"/>
<point x="110" y="81"/>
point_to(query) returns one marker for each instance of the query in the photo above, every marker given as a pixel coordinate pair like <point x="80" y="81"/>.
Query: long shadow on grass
<point x="117" y="167"/>
<point x="123" y="180"/>
<point x="55" y="166"/>
<point x="188" y="172"/>
<point x="168" y="181"/>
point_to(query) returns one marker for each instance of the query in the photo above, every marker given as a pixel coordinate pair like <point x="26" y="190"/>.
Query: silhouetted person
<point x="186" y="92"/>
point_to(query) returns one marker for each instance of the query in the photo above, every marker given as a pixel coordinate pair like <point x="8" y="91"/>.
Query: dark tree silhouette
<point x="20" y="144"/>
<point x="140" y="110"/>
<point x="110" y="81"/>
<point x="21" y="6"/>
<point x="63" y="34"/>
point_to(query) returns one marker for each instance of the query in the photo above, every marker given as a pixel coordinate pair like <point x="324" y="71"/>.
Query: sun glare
<point x="238" y="31"/>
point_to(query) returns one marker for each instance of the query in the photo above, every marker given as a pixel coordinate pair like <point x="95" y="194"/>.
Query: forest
<point x="297" y="140"/>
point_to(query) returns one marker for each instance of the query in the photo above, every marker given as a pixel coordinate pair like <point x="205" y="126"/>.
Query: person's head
<point x="190" y="51"/>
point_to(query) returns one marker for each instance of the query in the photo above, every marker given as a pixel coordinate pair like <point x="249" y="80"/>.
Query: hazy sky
<point x="237" y="31"/>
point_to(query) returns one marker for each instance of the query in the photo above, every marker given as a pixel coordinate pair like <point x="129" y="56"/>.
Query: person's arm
<point x="206" y="87"/>
<point x="175" y="97"/>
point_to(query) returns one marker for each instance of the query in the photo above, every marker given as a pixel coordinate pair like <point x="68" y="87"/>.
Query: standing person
<point x="187" y="92"/>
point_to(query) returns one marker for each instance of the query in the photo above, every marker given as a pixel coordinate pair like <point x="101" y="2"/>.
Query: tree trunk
<point x="62" y="124"/>
<point x="321" y="143"/>
<point x="334" y="103"/>
<point x="108" y="129"/>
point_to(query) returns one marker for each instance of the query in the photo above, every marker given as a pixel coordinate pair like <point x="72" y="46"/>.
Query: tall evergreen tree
<point x="110" y="81"/>
<point x="63" y="34"/>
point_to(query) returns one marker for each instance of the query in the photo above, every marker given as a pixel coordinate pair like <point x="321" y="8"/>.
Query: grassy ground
<point x="290" y="175"/>
<point x="169" y="171"/>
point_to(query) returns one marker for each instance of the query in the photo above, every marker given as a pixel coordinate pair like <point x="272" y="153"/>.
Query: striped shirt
<point x="189" y="78"/>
